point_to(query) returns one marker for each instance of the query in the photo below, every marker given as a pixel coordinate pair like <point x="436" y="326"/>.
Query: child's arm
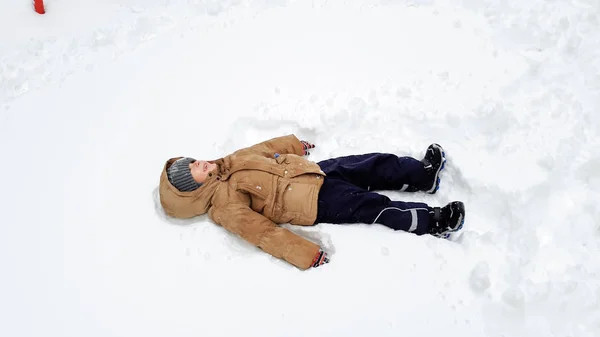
<point x="266" y="235"/>
<point x="281" y="145"/>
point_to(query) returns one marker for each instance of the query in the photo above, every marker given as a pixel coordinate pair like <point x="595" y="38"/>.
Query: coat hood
<point x="188" y="204"/>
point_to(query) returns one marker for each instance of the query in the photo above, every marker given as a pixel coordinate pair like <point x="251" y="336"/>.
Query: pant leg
<point x="378" y="171"/>
<point x="341" y="202"/>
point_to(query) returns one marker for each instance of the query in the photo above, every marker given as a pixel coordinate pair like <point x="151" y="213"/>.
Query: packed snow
<point x="96" y="95"/>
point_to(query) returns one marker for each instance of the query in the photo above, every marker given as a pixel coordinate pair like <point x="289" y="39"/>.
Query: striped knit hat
<point x="180" y="176"/>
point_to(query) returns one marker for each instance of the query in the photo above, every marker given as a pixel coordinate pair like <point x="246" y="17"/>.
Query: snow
<point x="95" y="96"/>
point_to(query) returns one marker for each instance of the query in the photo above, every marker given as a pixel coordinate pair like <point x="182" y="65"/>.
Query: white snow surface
<point x="95" y="96"/>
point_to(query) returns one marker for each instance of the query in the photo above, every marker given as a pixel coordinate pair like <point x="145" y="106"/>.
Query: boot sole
<point x="446" y="234"/>
<point x="437" y="179"/>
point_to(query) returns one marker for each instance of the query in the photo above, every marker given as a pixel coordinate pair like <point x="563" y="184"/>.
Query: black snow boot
<point x="434" y="162"/>
<point x="447" y="219"/>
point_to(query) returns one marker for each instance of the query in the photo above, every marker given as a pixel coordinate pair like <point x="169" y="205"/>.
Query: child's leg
<point x="379" y="171"/>
<point x="341" y="202"/>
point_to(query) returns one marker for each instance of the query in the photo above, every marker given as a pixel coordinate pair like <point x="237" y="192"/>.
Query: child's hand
<point x="307" y="146"/>
<point x="320" y="259"/>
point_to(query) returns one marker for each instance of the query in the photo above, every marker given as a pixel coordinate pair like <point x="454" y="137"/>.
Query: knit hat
<point x="180" y="176"/>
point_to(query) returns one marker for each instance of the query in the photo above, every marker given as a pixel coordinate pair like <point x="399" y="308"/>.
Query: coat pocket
<point x="258" y="196"/>
<point x="298" y="200"/>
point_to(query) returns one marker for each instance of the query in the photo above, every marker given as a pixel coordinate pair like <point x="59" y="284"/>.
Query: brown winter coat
<point x="252" y="192"/>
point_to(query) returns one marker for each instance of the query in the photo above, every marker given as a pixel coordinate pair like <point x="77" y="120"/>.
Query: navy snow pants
<point x="347" y="193"/>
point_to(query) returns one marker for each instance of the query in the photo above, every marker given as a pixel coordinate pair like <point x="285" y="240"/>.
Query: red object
<point x="38" y="5"/>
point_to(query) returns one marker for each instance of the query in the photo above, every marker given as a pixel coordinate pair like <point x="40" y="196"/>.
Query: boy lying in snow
<point x="253" y="189"/>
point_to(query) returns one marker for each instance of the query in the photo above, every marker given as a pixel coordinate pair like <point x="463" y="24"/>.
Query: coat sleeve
<point x="265" y="234"/>
<point x="282" y="145"/>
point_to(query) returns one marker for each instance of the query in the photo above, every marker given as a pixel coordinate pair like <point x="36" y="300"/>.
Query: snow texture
<point x="96" y="95"/>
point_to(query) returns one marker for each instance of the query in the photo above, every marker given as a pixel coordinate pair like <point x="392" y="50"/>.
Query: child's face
<point x="200" y="170"/>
